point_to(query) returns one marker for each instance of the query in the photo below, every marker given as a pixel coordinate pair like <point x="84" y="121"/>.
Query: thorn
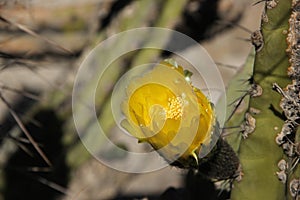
<point x="236" y="25"/>
<point x="23" y="128"/>
<point x="33" y="33"/>
<point x="39" y="169"/>
<point x="22" y="92"/>
<point x="239" y="102"/>
<point x="52" y="185"/>
<point x="258" y="2"/>
<point x="278" y="89"/>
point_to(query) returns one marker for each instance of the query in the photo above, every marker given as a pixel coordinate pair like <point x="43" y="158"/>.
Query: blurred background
<point x="42" y="45"/>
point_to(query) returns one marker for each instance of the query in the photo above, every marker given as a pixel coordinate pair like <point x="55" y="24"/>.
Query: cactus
<point x="268" y="153"/>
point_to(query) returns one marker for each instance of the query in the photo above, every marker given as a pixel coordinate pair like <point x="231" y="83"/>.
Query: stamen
<point x="175" y="110"/>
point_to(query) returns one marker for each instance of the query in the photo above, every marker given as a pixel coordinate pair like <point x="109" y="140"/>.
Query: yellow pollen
<point x="175" y="110"/>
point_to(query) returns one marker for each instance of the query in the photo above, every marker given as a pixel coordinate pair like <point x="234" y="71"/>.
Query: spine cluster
<point x="290" y="103"/>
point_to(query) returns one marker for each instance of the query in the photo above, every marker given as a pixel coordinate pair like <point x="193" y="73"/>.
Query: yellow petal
<point x="165" y="110"/>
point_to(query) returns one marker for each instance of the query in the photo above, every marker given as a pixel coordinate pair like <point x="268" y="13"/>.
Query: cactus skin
<point x="259" y="154"/>
<point x="235" y="115"/>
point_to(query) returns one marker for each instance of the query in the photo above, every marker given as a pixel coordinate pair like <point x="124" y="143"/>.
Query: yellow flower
<point x="165" y="110"/>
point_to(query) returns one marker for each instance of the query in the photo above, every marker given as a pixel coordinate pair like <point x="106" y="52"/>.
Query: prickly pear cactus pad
<point x="264" y="172"/>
